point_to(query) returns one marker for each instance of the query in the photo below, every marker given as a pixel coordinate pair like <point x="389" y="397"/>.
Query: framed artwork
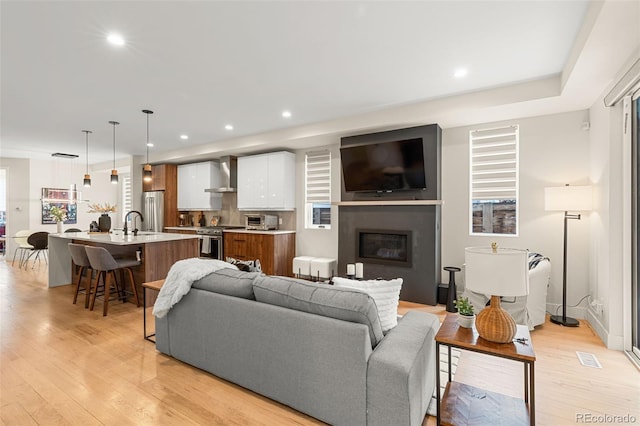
<point x="62" y="198"/>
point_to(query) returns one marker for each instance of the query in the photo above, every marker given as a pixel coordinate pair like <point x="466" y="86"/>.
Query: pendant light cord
<point x="147" y="138"/>
<point x="86" y="133"/>
<point x="114" y="123"/>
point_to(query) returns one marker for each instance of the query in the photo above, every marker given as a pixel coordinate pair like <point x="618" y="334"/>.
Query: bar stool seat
<point x="79" y="256"/>
<point x="103" y="263"/>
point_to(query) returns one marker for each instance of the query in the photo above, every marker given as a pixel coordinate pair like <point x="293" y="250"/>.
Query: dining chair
<point x="21" y="245"/>
<point x="39" y="242"/>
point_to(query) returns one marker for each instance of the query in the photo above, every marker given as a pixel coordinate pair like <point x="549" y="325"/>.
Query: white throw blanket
<point x="181" y="276"/>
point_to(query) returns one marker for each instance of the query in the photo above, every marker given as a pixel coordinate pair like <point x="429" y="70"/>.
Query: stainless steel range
<point x="211" y="240"/>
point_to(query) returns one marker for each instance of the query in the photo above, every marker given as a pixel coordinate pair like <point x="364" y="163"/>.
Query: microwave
<point x="262" y="222"/>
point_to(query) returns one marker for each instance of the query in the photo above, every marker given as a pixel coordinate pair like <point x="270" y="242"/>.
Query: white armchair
<point x="526" y="310"/>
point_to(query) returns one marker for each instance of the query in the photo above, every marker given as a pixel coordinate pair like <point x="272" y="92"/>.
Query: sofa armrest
<point x="401" y="372"/>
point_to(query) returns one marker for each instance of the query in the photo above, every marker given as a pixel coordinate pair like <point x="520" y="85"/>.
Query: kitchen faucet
<point x="135" y="230"/>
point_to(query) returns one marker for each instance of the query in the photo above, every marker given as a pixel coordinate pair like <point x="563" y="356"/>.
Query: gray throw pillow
<point x="345" y="304"/>
<point x="230" y="282"/>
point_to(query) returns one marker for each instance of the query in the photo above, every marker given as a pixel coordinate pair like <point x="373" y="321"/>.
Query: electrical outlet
<point x="599" y="308"/>
<point x="279" y="221"/>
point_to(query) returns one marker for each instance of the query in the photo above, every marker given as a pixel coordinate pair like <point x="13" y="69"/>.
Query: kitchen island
<point x="158" y="251"/>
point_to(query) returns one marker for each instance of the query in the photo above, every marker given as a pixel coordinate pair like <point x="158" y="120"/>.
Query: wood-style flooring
<point x="62" y="364"/>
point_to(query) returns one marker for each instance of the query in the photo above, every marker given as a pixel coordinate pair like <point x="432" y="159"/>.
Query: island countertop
<point x="124" y="240"/>
<point x="155" y="251"/>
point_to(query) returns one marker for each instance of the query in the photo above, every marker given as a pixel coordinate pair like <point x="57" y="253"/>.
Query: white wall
<point x="61" y="173"/>
<point x="17" y="198"/>
<point x="25" y="180"/>
<point x="554" y="150"/>
<point x="318" y="242"/>
<point x="608" y="163"/>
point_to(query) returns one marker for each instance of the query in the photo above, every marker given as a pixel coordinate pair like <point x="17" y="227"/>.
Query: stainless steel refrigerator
<point x="153" y="210"/>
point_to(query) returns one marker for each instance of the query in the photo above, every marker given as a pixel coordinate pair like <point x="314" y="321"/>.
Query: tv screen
<point x="384" y="167"/>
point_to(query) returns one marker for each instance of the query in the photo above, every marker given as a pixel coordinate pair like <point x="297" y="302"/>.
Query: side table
<point x="462" y="402"/>
<point x="153" y="286"/>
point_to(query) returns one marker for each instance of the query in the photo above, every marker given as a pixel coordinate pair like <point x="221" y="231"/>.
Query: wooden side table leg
<point x="526" y="382"/>
<point x="532" y="404"/>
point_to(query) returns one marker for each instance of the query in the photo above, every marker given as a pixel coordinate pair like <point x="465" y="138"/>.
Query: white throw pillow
<point x="385" y="293"/>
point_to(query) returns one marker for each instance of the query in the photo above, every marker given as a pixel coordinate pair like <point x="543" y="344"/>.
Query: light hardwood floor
<point x="61" y="364"/>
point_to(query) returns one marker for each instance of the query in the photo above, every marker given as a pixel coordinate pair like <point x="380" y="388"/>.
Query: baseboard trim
<point x="578" y="312"/>
<point x="611" y="342"/>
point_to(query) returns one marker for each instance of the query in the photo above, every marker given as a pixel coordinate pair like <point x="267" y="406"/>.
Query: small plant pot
<point x="466" y="321"/>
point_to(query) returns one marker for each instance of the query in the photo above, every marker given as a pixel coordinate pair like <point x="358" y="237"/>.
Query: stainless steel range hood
<point x="228" y="175"/>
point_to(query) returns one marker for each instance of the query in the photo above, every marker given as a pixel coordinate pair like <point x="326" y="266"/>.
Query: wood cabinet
<point x="193" y="179"/>
<point x="274" y="250"/>
<point x="164" y="177"/>
<point x="267" y="181"/>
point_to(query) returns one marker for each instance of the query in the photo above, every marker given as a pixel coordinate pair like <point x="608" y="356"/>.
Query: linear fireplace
<point x="386" y="247"/>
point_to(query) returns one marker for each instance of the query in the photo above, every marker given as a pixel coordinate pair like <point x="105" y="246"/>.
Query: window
<point x="493" y="156"/>
<point x="127" y="199"/>
<point x="318" y="190"/>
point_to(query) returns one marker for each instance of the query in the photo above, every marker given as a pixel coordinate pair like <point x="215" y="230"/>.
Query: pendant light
<point x="114" y="172"/>
<point x="146" y="173"/>
<point x="87" y="176"/>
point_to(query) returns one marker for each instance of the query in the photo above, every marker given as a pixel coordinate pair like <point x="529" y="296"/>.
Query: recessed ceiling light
<point x="460" y="72"/>
<point x="286" y="114"/>
<point x="115" y="39"/>
<point x="184" y="137"/>
<point x="149" y="144"/>
<point x="228" y="127"/>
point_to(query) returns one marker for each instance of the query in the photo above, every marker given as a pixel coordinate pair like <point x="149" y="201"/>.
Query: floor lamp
<point x="567" y="198"/>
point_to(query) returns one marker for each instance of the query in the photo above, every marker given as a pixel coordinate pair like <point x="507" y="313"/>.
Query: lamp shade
<point x="568" y="198"/>
<point x="504" y="272"/>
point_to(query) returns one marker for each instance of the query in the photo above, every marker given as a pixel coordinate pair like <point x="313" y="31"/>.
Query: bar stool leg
<point x="102" y="274"/>
<point x="107" y="291"/>
<point x="75" y="295"/>
<point x="133" y="286"/>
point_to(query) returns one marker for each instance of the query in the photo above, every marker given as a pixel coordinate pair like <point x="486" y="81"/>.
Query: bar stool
<point x="102" y="262"/>
<point x="79" y="256"/>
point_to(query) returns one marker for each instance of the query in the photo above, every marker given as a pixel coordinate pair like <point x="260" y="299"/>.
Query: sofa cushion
<point x="321" y="299"/>
<point x="386" y="294"/>
<point x="230" y="282"/>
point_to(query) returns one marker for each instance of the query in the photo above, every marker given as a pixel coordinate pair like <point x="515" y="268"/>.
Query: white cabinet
<point x="267" y="181"/>
<point x="193" y="179"/>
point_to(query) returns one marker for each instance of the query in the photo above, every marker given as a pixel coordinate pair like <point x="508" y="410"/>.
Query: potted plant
<point x="59" y="215"/>
<point x="104" y="221"/>
<point x="466" y="317"/>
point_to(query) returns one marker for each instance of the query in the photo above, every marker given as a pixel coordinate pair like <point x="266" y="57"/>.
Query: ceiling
<point x="204" y="64"/>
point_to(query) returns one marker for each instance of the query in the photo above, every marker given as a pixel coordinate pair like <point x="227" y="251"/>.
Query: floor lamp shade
<point x="496" y="272"/>
<point x="567" y="198"/>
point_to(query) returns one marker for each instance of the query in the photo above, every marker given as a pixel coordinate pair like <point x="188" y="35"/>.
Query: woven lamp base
<point x="495" y="324"/>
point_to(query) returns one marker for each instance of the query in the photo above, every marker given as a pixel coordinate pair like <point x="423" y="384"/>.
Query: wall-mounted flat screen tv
<point x="384" y="167"/>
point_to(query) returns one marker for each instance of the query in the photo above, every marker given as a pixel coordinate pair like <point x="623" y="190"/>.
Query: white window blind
<point x="494" y="180"/>
<point x="127" y="198"/>
<point x="318" y="189"/>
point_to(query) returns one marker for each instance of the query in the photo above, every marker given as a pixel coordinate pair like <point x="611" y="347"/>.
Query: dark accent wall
<point x="420" y="280"/>
<point x="431" y="143"/>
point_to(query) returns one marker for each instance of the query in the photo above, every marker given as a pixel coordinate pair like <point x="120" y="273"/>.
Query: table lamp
<point x="567" y="198"/>
<point x="497" y="272"/>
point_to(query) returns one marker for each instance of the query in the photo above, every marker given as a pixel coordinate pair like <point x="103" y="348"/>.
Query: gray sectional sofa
<point x="314" y="347"/>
